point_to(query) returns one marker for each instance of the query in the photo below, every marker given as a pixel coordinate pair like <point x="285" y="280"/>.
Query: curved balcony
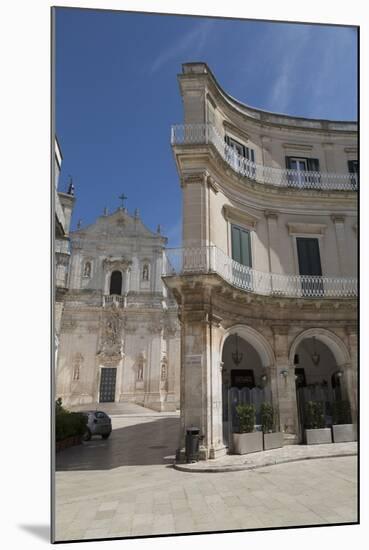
<point x="210" y="259"/>
<point x="203" y="134"/>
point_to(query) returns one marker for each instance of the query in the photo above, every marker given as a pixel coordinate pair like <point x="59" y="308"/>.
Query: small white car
<point x="98" y="423"/>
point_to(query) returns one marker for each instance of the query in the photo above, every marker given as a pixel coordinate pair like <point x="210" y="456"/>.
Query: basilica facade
<point x="119" y="334"/>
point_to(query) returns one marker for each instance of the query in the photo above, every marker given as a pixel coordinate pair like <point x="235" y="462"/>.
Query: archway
<point x="319" y="358"/>
<point x="246" y="358"/>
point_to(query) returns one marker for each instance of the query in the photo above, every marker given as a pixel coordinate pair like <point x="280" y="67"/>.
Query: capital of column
<point x="338" y="218"/>
<point x="271" y="214"/>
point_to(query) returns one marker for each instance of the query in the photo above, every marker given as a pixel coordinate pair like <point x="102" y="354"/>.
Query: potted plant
<point x="247" y="440"/>
<point x="272" y="438"/>
<point x="315" y="430"/>
<point x="342" y="428"/>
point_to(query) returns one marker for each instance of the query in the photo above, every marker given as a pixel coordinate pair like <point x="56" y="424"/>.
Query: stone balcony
<point x="210" y="259"/>
<point x="207" y="134"/>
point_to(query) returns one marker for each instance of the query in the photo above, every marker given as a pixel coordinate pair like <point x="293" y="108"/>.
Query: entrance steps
<point x="121" y="408"/>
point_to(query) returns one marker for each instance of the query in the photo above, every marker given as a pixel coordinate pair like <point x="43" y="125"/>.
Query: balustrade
<point x="210" y="259"/>
<point x="202" y="134"/>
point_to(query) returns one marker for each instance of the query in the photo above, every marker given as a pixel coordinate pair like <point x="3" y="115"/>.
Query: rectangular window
<point x="310" y="266"/>
<point x="240" y="150"/>
<point x="353" y="168"/>
<point x="241" y="253"/>
<point x="302" y="175"/>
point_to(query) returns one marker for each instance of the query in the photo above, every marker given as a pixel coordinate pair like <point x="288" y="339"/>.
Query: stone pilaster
<point x="339" y="226"/>
<point x="286" y="386"/>
<point x="201" y="382"/>
<point x="273" y="241"/>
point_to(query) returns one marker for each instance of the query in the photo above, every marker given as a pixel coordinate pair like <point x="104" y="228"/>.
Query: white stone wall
<point x="147" y="332"/>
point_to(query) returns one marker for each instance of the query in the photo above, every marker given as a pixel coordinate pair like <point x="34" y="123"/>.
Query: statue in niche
<point x="145" y="272"/>
<point x="140" y="367"/>
<point x="87" y="270"/>
<point x="78" y="359"/>
<point x="163" y="371"/>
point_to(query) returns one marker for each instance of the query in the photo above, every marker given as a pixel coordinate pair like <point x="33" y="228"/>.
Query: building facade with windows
<point x="64" y="203"/>
<point x="265" y="280"/>
<point x="119" y="335"/>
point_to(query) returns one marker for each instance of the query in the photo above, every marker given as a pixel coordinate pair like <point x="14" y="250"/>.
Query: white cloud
<point x="297" y="40"/>
<point x="194" y="39"/>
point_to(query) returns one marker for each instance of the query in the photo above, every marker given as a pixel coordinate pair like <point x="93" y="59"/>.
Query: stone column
<point x="350" y="372"/>
<point x="286" y="386"/>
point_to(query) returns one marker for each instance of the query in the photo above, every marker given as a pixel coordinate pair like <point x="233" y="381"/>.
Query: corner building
<point x="268" y="265"/>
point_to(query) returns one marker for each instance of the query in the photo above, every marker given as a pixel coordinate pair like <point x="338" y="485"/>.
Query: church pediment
<point x="118" y="224"/>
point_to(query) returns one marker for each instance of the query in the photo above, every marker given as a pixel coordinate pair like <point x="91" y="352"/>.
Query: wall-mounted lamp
<point x="315" y="357"/>
<point x="284" y="373"/>
<point x="236" y="355"/>
<point x="263" y="378"/>
<point x="339" y="373"/>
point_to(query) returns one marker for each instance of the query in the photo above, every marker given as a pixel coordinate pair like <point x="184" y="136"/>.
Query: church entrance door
<point x="107" y="385"/>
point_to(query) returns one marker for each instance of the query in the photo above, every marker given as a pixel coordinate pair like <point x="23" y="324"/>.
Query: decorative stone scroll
<point x="112" y="263"/>
<point x="111" y="337"/>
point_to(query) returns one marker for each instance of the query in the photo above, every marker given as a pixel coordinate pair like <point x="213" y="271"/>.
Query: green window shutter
<point x="241" y="246"/>
<point x="236" y="244"/>
<point x="245" y="248"/>
<point x="252" y="155"/>
<point x="352" y="166"/>
<point x="288" y="163"/>
<point x="226" y="139"/>
<point x="308" y="256"/>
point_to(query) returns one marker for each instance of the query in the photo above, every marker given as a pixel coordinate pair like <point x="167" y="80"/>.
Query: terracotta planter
<point x="247" y="443"/>
<point x="318" y="436"/>
<point x="273" y="440"/>
<point x="344" y="432"/>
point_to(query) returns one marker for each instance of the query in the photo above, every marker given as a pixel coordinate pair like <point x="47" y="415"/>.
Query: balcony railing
<point x="202" y="134"/>
<point x="210" y="259"/>
<point x="116" y="299"/>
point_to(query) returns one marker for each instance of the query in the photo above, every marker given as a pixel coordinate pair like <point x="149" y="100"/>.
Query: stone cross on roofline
<point x="123" y="198"/>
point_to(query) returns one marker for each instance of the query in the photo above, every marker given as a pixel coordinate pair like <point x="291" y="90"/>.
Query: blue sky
<point x="117" y="95"/>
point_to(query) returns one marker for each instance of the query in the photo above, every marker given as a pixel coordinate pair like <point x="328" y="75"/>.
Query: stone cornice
<point x="295" y="228"/>
<point x="241" y="216"/>
<point x="197" y="76"/>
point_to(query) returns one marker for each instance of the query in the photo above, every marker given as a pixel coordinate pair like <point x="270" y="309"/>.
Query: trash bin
<point x="192" y="444"/>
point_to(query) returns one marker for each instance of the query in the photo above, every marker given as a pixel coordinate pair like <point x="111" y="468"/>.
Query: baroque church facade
<point x="119" y="334"/>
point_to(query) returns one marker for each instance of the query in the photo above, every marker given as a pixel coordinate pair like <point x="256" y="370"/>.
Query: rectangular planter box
<point x="344" y="432"/>
<point x="273" y="441"/>
<point x="318" y="436"/>
<point x="247" y="443"/>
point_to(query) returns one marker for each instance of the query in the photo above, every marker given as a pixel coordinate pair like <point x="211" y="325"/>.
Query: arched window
<point x="116" y="283"/>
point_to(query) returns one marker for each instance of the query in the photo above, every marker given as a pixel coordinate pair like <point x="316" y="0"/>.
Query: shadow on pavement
<point x="142" y="444"/>
<point x="40" y="531"/>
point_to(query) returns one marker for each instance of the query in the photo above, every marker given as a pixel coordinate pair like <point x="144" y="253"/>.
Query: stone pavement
<point x="289" y="453"/>
<point x="126" y="486"/>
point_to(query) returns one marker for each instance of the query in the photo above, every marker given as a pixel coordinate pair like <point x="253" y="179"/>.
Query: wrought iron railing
<point x="210" y="259"/>
<point x="201" y="134"/>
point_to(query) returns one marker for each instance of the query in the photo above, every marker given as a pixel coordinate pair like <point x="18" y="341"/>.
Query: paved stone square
<point x="126" y="486"/>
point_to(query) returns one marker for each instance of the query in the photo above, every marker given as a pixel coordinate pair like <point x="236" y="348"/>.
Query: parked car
<point x="98" y="423"/>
